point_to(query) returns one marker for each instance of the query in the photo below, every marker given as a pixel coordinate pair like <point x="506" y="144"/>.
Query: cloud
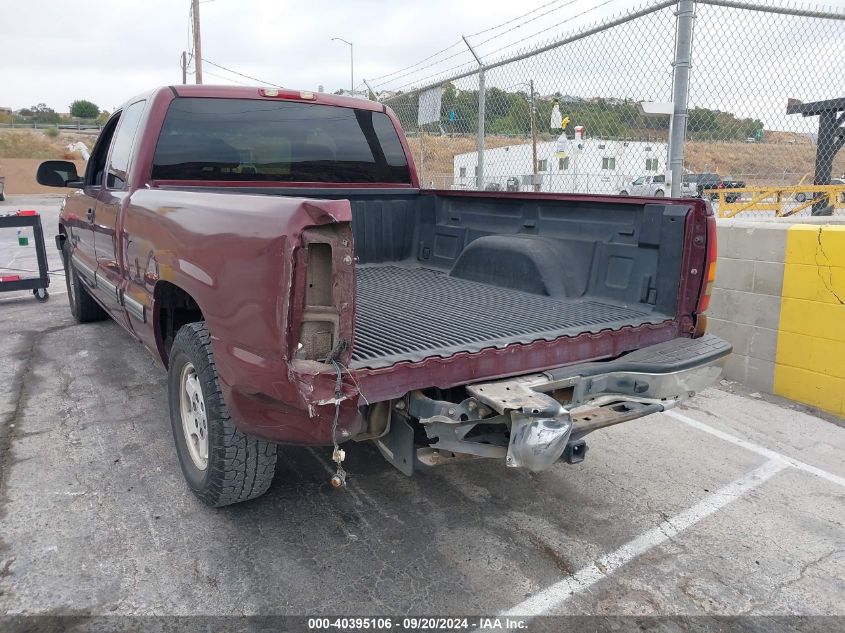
<point x="108" y="50"/>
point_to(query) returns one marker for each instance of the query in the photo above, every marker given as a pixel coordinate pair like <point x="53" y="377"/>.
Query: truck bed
<point x="409" y="313"/>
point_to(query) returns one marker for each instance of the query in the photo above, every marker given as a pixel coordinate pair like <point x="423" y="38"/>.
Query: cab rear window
<point x="285" y="141"/>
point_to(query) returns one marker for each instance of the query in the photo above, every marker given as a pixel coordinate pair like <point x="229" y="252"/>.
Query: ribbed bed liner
<point x="414" y="313"/>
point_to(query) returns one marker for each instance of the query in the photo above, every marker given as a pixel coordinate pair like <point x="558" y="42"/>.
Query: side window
<point x="97" y="162"/>
<point x="608" y="163"/>
<point x="659" y="179"/>
<point x="122" y="146"/>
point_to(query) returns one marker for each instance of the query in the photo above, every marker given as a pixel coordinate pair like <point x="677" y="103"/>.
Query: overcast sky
<point x="108" y="50"/>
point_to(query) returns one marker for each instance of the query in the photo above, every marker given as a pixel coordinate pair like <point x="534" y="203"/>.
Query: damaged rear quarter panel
<point x="236" y="255"/>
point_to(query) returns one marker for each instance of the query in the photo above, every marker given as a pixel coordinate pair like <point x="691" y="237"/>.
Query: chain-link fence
<point x="684" y="96"/>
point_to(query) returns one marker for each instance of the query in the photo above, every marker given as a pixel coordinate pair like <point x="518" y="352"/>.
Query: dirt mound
<point x="20" y="175"/>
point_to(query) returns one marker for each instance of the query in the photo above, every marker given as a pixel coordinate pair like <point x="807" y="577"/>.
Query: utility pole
<point x="195" y="14"/>
<point x="184" y="67"/>
<point x="535" y="180"/>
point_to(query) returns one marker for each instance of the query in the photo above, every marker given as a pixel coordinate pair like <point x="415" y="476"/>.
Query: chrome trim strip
<point x="135" y="308"/>
<point x="108" y="287"/>
<point x="85" y="272"/>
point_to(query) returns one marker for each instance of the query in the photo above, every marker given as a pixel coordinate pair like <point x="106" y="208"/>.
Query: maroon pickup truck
<point x="273" y="250"/>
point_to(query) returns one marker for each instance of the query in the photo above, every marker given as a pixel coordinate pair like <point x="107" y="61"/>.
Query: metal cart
<point x="38" y="284"/>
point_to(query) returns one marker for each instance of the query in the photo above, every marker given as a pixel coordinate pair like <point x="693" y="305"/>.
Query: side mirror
<point x="58" y="173"/>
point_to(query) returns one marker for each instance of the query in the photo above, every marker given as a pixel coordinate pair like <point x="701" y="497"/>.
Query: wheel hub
<point x="194" y="420"/>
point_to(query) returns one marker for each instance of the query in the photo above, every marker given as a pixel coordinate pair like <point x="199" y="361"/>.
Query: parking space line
<point x="552" y="597"/>
<point x="756" y="448"/>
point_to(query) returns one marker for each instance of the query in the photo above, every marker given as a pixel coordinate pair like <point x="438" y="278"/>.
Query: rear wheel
<point x="83" y="307"/>
<point x="659" y="193"/>
<point x="221" y="465"/>
<point x="623" y="193"/>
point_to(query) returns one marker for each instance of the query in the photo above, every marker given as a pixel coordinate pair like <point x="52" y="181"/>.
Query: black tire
<point x="83" y="307"/>
<point x="623" y="193"/>
<point x="41" y="294"/>
<point x="659" y="193"/>
<point x="2" y="197"/>
<point x="238" y="467"/>
<point x="800" y="197"/>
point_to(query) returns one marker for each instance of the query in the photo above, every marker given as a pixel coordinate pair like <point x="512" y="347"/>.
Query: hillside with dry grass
<point x="21" y="151"/>
<point x="37" y="144"/>
<point x="782" y="159"/>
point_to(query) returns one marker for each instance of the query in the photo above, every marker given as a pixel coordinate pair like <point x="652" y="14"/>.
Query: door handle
<point x="90" y="214"/>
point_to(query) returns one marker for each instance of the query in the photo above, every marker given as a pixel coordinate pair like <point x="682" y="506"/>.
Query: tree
<point x="41" y="113"/>
<point x="103" y="117"/>
<point x="83" y="109"/>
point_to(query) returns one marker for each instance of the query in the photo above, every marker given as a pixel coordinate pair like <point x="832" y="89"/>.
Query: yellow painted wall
<point x="810" y="362"/>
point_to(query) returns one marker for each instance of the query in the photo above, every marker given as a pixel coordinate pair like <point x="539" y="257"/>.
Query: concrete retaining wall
<point x="779" y="298"/>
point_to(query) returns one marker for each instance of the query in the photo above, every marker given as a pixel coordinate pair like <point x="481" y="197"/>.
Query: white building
<point x="577" y="165"/>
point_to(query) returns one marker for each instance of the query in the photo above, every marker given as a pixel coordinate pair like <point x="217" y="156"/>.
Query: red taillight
<point x="709" y="267"/>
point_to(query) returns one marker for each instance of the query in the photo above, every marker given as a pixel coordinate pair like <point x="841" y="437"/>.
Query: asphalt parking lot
<point x="732" y="505"/>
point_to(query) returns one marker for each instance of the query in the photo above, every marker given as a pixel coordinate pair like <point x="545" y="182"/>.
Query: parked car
<point x="650" y="186"/>
<point x="273" y="250"/>
<point x="706" y="184"/>
<point x="729" y="182"/>
<point x="803" y="196"/>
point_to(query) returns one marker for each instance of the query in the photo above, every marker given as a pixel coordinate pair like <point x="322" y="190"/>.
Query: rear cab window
<point x="243" y="140"/>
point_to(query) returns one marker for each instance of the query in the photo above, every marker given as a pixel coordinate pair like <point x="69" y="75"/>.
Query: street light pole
<point x="351" y="65"/>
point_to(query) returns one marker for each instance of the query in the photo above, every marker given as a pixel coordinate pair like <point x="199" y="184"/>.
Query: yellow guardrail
<point x="783" y="201"/>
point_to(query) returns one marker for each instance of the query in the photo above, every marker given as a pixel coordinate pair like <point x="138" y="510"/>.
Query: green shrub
<point x="52" y="132"/>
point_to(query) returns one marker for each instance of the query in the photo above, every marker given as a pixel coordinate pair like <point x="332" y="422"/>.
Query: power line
<point x="229" y="70"/>
<point x="222" y="77"/>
